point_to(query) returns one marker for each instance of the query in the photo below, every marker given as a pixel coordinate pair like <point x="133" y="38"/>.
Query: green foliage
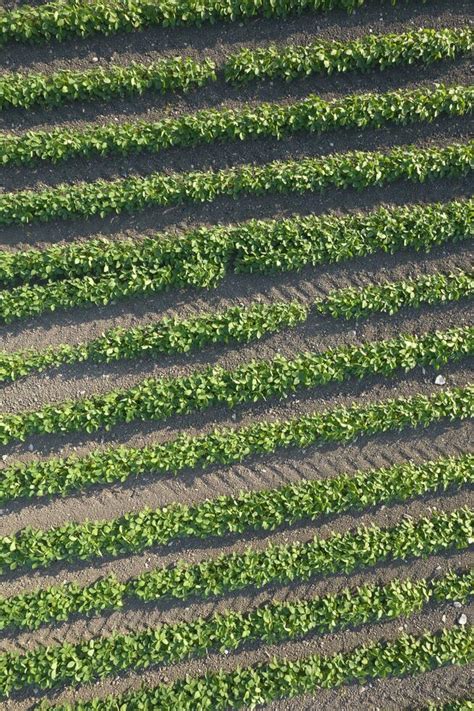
<point x="390" y="297"/>
<point x="336" y="554"/>
<point x="249" y="687"/>
<point x="68" y="18"/>
<point x="355" y="169"/>
<point x="27" y="90"/>
<point x="160" y="398"/>
<point x="458" y="705"/>
<point x="100" y="271"/>
<point x="372" y="51"/>
<point x="265" y="510"/>
<point x="239" y="323"/>
<point x="289" y="245"/>
<point x="226" y="445"/>
<point x="277" y="120"/>
<point x="99" y="657"/>
<point x="170" y="335"/>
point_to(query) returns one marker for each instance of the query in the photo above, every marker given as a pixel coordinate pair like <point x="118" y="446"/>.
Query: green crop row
<point x="174" y="335"/>
<point x="312" y="114"/>
<point x="458" y="705"/>
<point x="253" y="686"/>
<point x="313" y="239"/>
<point x="265" y="510"/>
<point x="425" y="45"/>
<point x="240" y="323"/>
<point x="390" y="297"/>
<point x="356" y="170"/>
<point x="292" y="61"/>
<point x="202" y="258"/>
<point x="281" y="564"/>
<point x="160" y="398"/>
<point x="69" y="18"/>
<point x="99" y="657"/>
<point x="26" y="90"/>
<point x="225" y="446"/>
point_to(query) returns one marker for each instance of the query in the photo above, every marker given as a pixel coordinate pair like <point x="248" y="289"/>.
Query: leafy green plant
<point x="338" y="553"/>
<point x="226" y="445"/>
<point x="160" y="398"/>
<point x="277" y="120"/>
<point x="265" y="510"/>
<point x="457" y="705"/>
<point x="68" y="18"/>
<point x="249" y="687"/>
<point x="203" y="256"/>
<point x="356" y="170"/>
<point x="239" y="323"/>
<point x="99" y="657"/>
<point x="170" y="335"/>
<point x="289" y="62"/>
<point x="390" y="297"/>
<point x="26" y="90"/>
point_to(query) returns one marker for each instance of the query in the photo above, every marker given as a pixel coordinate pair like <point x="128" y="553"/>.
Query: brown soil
<point x="316" y="334"/>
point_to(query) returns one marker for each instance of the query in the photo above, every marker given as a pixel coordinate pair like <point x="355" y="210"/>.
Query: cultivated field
<point x="236" y="351"/>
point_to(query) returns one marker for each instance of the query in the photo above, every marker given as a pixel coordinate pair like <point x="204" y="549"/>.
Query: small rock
<point x="95" y="59"/>
<point x="233" y="416"/>
<point x="444" y="618"/>
<point x="353" y="334"/>
<point x="462" y="620"/>
<point x="457" y="604"/>
<point x="31" y="448"/>
<point x="4" y="457"/>
<point x="440" y="380"/>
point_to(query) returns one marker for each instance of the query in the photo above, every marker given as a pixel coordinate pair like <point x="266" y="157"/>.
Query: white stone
<point x="462" y="620"/>
<point x="440" y="380"/>
<point x="457" y="604"/>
